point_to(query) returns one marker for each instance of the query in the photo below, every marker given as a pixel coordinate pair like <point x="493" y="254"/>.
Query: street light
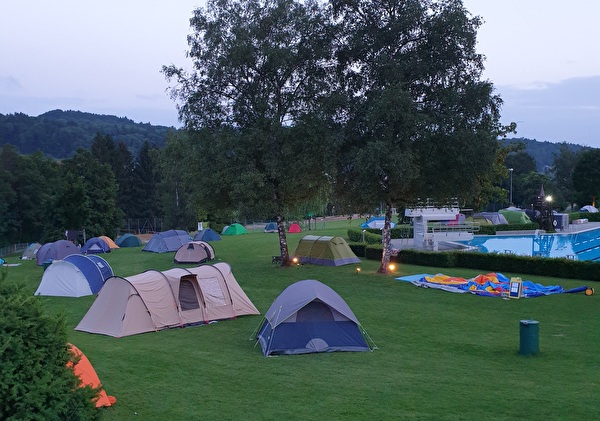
<point x="548" y="213"/>
<point x="510" y="170"/>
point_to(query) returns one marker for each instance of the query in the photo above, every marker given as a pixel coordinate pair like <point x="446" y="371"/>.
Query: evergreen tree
<point x="36" y="384"/>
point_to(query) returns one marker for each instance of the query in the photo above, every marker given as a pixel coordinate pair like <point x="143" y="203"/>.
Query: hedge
<point x="491" y="262"/>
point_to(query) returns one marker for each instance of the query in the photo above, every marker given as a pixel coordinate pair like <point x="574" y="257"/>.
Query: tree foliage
<point x="261" y="77"/>
<point x="586" y="176"/>
<point x="421" y="121"/>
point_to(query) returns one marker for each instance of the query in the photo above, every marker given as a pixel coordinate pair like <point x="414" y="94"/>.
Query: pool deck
<point x="571" y="228"/>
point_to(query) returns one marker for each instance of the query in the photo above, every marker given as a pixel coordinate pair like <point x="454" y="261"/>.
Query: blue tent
<point x="95" y="245"/>
<point x="376" y="222"/>
<point x="271" y="227"/>
<point x="167" y="241"/>
<point x="75" y="276"/>
<point x="128" y="240"/>
<point x="207" y="234"/>
<point x="308" y="316"/>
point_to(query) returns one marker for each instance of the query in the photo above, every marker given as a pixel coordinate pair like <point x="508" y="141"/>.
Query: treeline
<point x="58" y="134"/>
<point x="93" y="190"/>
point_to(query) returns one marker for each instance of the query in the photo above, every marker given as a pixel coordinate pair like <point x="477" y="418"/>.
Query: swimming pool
<point x="584" y="245"/>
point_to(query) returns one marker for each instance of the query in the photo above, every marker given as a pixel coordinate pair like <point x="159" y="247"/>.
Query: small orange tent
<point x="86" y="373"/>
<point x="109" y="241"/>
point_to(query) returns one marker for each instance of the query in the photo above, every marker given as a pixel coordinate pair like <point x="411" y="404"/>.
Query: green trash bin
<point x="529" y="335"/>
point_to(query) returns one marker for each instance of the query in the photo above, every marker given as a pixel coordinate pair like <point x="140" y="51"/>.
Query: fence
<point x="15" y="248"/>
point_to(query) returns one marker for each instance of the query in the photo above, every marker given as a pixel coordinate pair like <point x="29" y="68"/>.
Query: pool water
<point x="583" y="245"/>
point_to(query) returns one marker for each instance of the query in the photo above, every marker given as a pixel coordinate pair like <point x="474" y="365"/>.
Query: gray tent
<point x="495" y="218"/>
<point x="166" y="241"/>
<point x="30" y="252"/>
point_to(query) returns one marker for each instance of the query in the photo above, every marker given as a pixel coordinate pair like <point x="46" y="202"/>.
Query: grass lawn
<point x="440" y="356"/>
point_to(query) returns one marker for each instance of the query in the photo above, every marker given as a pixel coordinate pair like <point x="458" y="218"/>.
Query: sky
<point x="105" y="58"/>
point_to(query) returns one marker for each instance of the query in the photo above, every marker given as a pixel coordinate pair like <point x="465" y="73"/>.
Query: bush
<point x="36" y="383"/>
<point x="591" y="217"/>
<point x="561" y="268"/>
<point x="517" y="227"/>
<point x="487" y="230"/>
<point x="356" y="236"/>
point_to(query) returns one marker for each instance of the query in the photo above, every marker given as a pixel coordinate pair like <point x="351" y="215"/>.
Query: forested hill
<point x="59" y="134"/>
<point x="544" y="152"/>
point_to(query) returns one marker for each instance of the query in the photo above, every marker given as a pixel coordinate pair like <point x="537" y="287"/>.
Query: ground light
<point x="357" y="270"/>
<point x="391" y="267"/>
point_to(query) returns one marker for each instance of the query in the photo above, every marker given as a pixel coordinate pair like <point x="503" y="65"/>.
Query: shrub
<point x="368" y="237"/>
<point x="36" y="383"/>
<point x="562" y="268"/>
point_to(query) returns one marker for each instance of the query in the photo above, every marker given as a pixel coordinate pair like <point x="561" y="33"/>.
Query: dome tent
<point x="30" y="252"/>
<point x="194" y="252"/>
<point x="77" y="275"/>
<point x="95" y="245"/>
<point x="308" y="317"/>
<point x="324" y="250"/>
<point x="55" y="251"/>
<point x="207" y="234"/>
<point x="294" y="228"/>
<point x="271" y="227"/>
<point x="128" y="240"/>
<point x="109" y="241"/>
<point x="235" y="229"/>
<point x="167" y="241"/>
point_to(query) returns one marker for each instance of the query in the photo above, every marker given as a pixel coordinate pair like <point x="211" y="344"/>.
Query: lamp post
<point x="510" y="170"/>
<point x="550" y="216"/>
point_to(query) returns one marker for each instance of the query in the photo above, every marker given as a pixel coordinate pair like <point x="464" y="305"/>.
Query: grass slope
<point x="440" y="355"/>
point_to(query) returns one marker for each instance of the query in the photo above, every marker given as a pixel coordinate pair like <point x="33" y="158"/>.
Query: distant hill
<point x="544" y="152"/>
<point x="59" y="134"/>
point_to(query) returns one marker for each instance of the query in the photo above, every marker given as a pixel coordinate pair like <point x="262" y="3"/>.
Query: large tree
<point x="261" y="73"/>
<point x="586" y="177"/>
<point x="421" y="121"/>
<point x="562" y="170"/>
<point x="87" y="199"/>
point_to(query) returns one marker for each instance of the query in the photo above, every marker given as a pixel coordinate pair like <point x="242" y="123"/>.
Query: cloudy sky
<point x="105" y="58"/>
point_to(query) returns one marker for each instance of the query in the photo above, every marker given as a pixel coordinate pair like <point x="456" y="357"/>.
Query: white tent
<point x="589" y="208"/>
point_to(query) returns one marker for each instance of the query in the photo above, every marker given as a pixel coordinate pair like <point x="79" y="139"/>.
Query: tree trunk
<point x="386" y="236"/>
<point x="283" y="247"/>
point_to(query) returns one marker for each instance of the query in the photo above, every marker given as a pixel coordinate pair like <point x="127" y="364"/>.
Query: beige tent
<point x="177" y="297"/>
<point x="194" y="252"/>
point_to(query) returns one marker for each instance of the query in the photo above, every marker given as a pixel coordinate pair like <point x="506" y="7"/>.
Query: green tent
<point x="235" y="229"/>
<point x="325" y="250"/>
<point x="515" y="216"/>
